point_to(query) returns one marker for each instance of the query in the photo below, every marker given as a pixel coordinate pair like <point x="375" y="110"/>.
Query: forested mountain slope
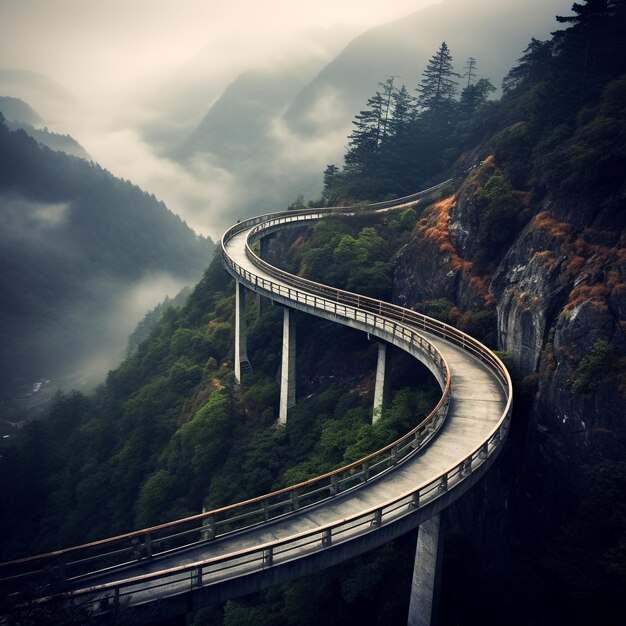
<point x="524" y="249"/>
<point x="74" y="239"/>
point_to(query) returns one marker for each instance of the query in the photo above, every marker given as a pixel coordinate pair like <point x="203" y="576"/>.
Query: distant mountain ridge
<point x="275" y="136"/>
<point x="74" y="241"/>
<point x="402" y="47"/>
<point x="16" y="110"/>
<point x="19" y="114"/>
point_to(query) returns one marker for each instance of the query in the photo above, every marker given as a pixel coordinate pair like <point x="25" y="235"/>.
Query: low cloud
<point x="198" y="191"/>
<point x="115" y="321"/>
<point x="27" y="220"/>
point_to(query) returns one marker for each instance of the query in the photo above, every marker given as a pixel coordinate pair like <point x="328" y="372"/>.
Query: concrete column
<point x="426" y="574"/>
<point x="262" y="301"/>
<point x="242" y="364"/>
<point x="379" y="389"/>
<point x="288" y="366"/>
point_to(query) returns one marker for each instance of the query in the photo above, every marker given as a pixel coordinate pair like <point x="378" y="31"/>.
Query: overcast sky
<point x="143" y="73"/>
<point x="106" y="44"/>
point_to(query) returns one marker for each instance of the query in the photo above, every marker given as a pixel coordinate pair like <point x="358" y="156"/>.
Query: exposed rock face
<point x="559" y="292"/>
<point x="555" y="295"/>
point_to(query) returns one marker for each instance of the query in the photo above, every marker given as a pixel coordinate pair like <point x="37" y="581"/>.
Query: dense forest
<point x="74" y="239"/>
<point x="541" y="540"/>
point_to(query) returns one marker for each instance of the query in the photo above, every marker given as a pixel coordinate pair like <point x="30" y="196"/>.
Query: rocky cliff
<point x="548" y="287"/>
<point x="555" y="292"/>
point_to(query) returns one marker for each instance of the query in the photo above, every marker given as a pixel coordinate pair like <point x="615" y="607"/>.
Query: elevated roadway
<point x="276" y="537"/>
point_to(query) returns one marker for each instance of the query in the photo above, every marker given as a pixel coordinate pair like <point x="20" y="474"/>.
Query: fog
<point x="57" y="321"/>
<point x="115" y="320"/>
<point x="132" y="81"/>
<point x="224" y="110"/>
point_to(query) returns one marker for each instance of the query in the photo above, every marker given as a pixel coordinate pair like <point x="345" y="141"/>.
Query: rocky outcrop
<point x="555" y="296"/>
<point x="559" y="294"/>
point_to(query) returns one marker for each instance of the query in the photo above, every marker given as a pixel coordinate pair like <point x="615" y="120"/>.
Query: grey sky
<point x="108" y="44"/>
<point x="145" y="72"/>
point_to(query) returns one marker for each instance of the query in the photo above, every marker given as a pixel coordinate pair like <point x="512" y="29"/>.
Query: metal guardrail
<point x="392" y="322"/>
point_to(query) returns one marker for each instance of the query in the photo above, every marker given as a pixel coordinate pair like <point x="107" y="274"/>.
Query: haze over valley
<point x="444" y="371"/>
<point x="238" y="116"/>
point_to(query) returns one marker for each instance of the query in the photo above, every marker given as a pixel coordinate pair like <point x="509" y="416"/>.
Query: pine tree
<point x="397" y="148"/>
<point x="590" y="51"/>
<point x="594" y="39"/>
<point x="330" y="176"/>
<point x="372" y="127"/>
<point x="470" y="66"/>
<point x="473" y="96"/>
<point x="438" y="87"/>
<point x="534" y="65"/>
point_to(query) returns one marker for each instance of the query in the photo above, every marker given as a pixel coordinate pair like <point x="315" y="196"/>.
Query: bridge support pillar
<point x="262" y="301"/>
<point x="379" y="389"/>
<point x="242" y="364"/>
<point x="426" y="574"/>
<point x="288" y="366"/>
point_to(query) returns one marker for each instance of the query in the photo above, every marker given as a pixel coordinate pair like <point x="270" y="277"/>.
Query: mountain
<point x="493" y="33"/>
<point x="274" y="131"/>
<point x="178" y="101"/>
<point x="243" y="134"/>
<point x="18" y="114"/>
<point x="237" y="126"/>
<point x="77" y="243"/>
<point x="16" y="110"/>
<point x="523" y="249"/>
<point x="54" y="141"/>
<point x="50" y="98"/>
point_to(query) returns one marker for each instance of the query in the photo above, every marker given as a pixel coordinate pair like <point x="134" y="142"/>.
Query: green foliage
<point x="594" y="367"/>
<point x="501" y="217"/>
<point x="74" y="240"/>
<point x="154" y="499"/>
<point x="441" y="309"/>
<point x="358" y="262"/>
<point x="590" y="160"/>
<point x="405" y="222"/>
<point x="513" y="148"/>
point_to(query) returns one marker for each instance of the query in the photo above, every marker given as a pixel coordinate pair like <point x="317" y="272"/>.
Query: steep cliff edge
<point x="548" y="286"/>
<point x="555" y="292"/>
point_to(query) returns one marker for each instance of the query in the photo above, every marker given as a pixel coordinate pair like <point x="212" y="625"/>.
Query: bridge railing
<point x="262" y="557"/>
<point x="73" y="563"/>
<point x="388" y="311"/>
<point x="102" y="556"/>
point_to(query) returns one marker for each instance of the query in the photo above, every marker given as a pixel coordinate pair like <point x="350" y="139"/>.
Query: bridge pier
<point x="379" y="388"/>
<point x="264" y="245"/>
<point x="242" y="364"/>
<point x="423" y="607"/>
<point x="288" y="366"/>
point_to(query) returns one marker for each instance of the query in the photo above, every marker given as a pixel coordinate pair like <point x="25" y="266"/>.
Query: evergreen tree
<point x="398" y="162"/>
<point x="473" y="96"/>
<point x="365" y="139"/>
<point x="594" y="42"/>
<point x="438" y="87"/>
<point x="330" y="176"/>
<point x="365" y="153"/>
<point x="470" y="66"/>
<point x="533" y="66"/>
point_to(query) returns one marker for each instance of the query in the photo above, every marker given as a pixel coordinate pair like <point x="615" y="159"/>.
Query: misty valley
<point x="437" y="308"/>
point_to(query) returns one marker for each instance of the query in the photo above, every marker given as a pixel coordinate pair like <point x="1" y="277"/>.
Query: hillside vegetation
<point x="524" y="249"/>
<point x="74" y="239"/>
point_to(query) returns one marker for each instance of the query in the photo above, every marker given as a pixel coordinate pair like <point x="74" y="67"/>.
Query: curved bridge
<point x="279" y="536"/>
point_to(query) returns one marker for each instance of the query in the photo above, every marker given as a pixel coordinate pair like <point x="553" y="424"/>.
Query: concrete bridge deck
<point x="344" y="525"/>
